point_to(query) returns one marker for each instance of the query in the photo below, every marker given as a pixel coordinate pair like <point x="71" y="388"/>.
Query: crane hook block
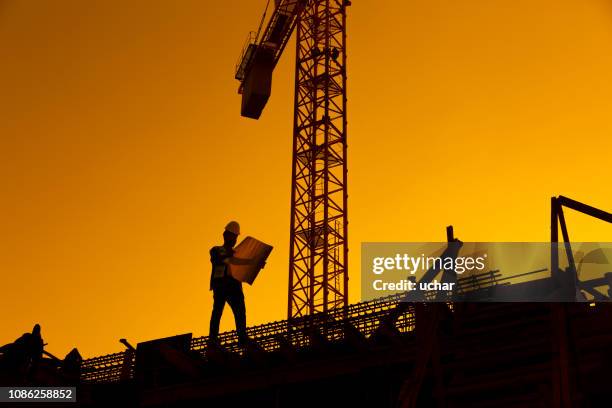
<point x="257" y="84"/>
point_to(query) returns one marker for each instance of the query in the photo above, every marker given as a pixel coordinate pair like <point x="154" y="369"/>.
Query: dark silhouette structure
<point x="23" y="362"/>
<point x="22" y="357"/>
<point x="389" y="352"/>
<point x="374" y="354"/>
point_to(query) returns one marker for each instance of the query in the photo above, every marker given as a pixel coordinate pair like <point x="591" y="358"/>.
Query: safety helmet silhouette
<point x="233" y="227"/>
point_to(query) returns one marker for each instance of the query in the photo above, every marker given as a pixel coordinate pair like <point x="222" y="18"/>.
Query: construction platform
<point x="383" y="353"/>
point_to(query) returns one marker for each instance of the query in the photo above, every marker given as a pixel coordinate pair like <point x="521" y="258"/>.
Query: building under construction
<point x="388" y="352"/>
<point x="382" y="353"/>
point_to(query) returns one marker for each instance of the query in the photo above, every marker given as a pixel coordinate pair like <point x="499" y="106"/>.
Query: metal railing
<point x="248" y="50"/>
<point x="364" y="316"/>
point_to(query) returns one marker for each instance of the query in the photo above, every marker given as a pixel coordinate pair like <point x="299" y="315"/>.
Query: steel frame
<point x="318" y="265"/>
<point x="365" y="317"/>
<point x="557" y="219"/>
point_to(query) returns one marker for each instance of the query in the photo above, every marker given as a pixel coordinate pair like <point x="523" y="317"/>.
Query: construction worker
<point x="23" y="356"/>
<point x="225" y="288"/>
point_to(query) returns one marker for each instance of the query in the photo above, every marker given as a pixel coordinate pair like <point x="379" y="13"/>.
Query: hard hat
<point x="233" y="227"/>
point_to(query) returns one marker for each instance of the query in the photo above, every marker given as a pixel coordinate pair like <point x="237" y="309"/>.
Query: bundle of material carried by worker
<point x="252" y="250"/>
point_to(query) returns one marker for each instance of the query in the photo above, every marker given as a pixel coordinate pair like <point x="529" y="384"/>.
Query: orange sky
<point x="123" y="154"/>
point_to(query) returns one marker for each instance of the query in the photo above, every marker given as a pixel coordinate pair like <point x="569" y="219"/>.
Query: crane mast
<point x="318" y="258"/>
<point x="318" y="279"/>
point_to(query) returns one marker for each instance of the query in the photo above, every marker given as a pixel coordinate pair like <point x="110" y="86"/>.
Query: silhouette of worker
<point x="24" y="354"/>
<point x="225" y="288"/>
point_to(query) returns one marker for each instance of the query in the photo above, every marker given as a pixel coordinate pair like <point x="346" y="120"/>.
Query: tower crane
<point x="318" y="257"/>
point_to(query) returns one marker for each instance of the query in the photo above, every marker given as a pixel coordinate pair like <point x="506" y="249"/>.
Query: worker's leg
<point x="236" y="302"/>
<point x="215" y="318"/>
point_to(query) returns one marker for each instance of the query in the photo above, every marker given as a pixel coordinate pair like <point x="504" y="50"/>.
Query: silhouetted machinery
<point x="26" y="362"/>
<point x="318" y="260"/>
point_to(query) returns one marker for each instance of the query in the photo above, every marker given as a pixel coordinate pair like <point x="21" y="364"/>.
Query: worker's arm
<point x="241" y="261"/>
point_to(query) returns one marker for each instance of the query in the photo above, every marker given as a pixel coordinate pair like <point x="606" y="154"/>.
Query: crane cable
<point x="263" y="18"/>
